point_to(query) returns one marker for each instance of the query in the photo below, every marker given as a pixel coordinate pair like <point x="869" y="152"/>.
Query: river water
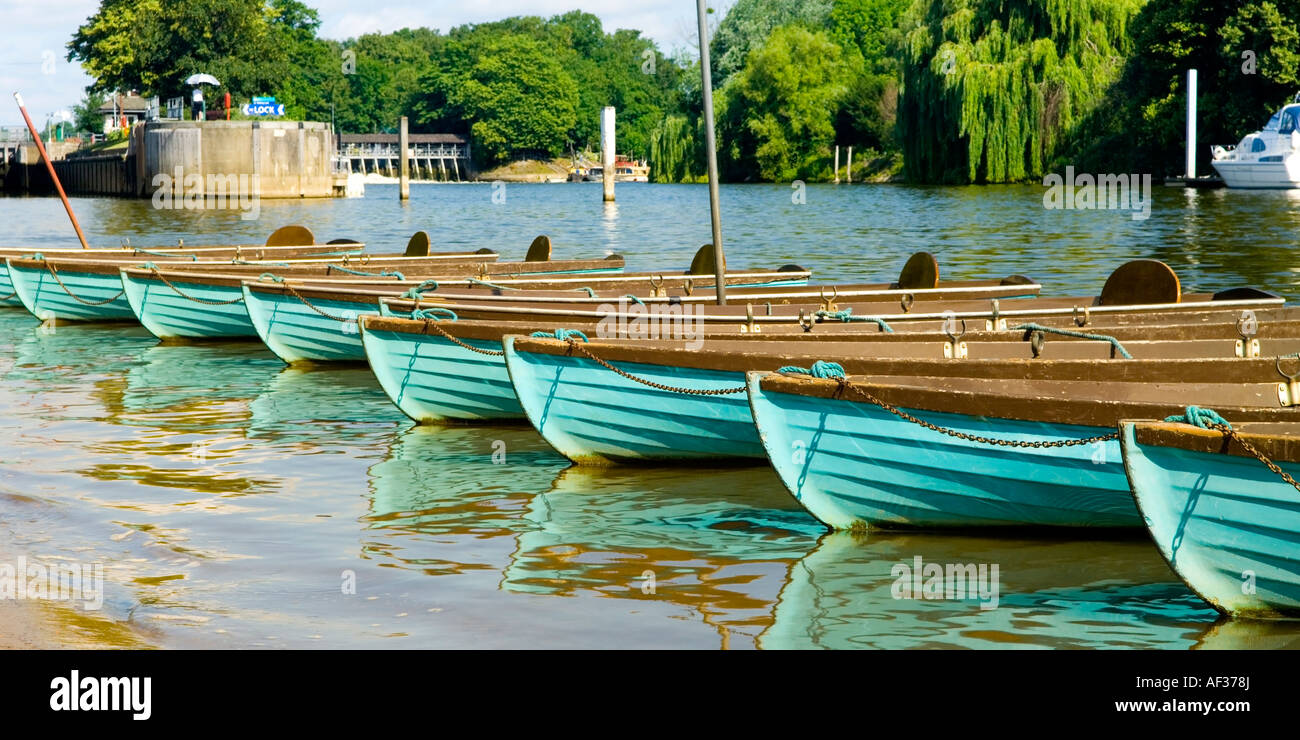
<point x="237" y="503"/>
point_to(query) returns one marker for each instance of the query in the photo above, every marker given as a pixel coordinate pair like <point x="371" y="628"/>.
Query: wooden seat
<point x="1141" y="283"/>
<point x="418" y="245"/>
<point x="539" y="250"/>
<point x="920" y="272"/>
<point x="291" y="236"/>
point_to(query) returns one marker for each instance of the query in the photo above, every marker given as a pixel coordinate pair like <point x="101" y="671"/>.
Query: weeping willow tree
<point x="991" y="87"/>
<point x="673" y="153"/>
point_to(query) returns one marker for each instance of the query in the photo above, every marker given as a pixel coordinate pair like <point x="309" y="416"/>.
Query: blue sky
<point x="37" y="32"/>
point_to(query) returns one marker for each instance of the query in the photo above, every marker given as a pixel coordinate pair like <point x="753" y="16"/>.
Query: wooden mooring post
<point x="404" y="163"/>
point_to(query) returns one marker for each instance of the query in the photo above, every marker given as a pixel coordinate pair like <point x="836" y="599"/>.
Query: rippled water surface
<point x="233" y="500"/>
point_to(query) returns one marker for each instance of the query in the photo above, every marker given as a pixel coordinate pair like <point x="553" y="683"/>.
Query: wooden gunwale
<point x="389" y="286"/>
<point x="1097" y="403"/>
<point x="789" y="312"/>
<point x="1285" y="325"/>
<point x="1279" y="441"/>
<point x="1165" y="363"/>
<point x="985" y="289"/>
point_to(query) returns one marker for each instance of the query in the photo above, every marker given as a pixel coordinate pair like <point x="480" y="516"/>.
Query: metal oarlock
<point x="657" y="286"/>
<point x="995" y="322"/>
<point x="906" y="302"/>
<point x="1288" y="393"/>
<point x="828" y="304"/>
<point x="1082" y="315"/>
<point x="955" y="349"/>
<point x="749" y="327"/>
<point x="805" y="321"/>
<point x="1248" y="327"/>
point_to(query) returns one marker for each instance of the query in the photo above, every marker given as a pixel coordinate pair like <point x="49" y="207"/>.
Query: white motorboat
<point x="1269" y="158"/>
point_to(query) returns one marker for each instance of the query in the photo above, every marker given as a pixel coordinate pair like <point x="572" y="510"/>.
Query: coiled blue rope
<point x="1199" y="417"/>
<point x="561" y="334"/>
<point x="415" y="293"/>
<point x="1078" y="334"/>
<point x="819" y="369"/>
<point x="634" y="299"/>
<point x="435" y="314"/>
<point x="270" y="276"/>
<point x="847" y="316"/>
<point x="590" y="292"/>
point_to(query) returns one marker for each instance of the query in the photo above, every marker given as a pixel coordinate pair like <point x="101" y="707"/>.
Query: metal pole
<point x="404" y="189"/>
<point x="607" y="152"/>
<point x="40" y="146"/>
<point x="710" y="140"/>
<point x="1191" y="124"/>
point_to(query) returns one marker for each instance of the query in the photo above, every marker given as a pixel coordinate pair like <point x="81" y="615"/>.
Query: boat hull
<point x="298" y="334"/>
<point x="1283" y="175"/>
<point x="1227" y="525"/>
<point x="854" y="465"/>
<point x="8" y="296"/>
<point x="82" y="296"/>
<point x="433" y="380"/>
<point x="596" y="417"/>
<point x="188" y="310"/>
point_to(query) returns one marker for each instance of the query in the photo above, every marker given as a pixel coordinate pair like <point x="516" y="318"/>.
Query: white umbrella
<point x="201" y="79"/>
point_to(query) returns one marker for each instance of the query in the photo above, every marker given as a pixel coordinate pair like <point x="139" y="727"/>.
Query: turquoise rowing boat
<point x="434" y="378"/>
<point x="179" y="309"/>
<point x="972" y="452"/>
<point x="1227" y="524"/>
<point x="298" y="329"/>
<point x="8" y="296"/>
<point x="87" y="292"/>
<point x="592" y="415"/>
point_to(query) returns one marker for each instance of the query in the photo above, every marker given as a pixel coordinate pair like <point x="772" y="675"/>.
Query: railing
<point x="418" y="151"/>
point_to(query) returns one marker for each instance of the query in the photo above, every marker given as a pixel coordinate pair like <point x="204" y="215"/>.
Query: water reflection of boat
<point x="447" y="499"/>
<point x="329" y="408"/>
<point x="1050" y="594"/>
<point x="717" y="543"/>
<point x="1247" y="634"/>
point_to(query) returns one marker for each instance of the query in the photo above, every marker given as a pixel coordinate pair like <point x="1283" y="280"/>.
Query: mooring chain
<point x="74" y="296"/>
<point x="187" y="297"/>
<point x="575" y="344"/>
<point x="429" y="324"/>
<point x="1037" y="444"/>
<point x="312" y="306"/>
<point x="1232" y="434"/>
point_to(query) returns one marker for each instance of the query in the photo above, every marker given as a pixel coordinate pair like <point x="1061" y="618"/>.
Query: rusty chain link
<point x="204" y="301"/>
<point x="846" y="385"/>
<point x="74" y="296"/>
<point x="575" y="344"/>
<point x="312" y="306"/>
<point x="429" y="324"/>
<point x="1232" y="434"/>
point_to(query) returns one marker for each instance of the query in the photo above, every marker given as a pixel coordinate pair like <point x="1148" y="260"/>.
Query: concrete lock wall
<point x="290" y="158"/>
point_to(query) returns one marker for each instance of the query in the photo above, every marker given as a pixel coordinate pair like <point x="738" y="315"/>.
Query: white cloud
<point x="34" y="28"/>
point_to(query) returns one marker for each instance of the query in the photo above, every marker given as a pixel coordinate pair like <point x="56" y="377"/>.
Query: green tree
<point x="516" y="96"/>
<point x="1248" y="59"/>
<point x="991" y="88"/>
<point x="749" y="23"/>
<point x="86" y="115"/>
<point x="786" y="98"/>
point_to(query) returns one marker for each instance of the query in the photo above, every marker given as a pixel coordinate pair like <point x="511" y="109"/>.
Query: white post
<point x="1191" y="124"/>
<point x="404" y="164"/>
<point x="848" y="171"/>
<point x="837" y="163"/>
<point x="607" y="150"/>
